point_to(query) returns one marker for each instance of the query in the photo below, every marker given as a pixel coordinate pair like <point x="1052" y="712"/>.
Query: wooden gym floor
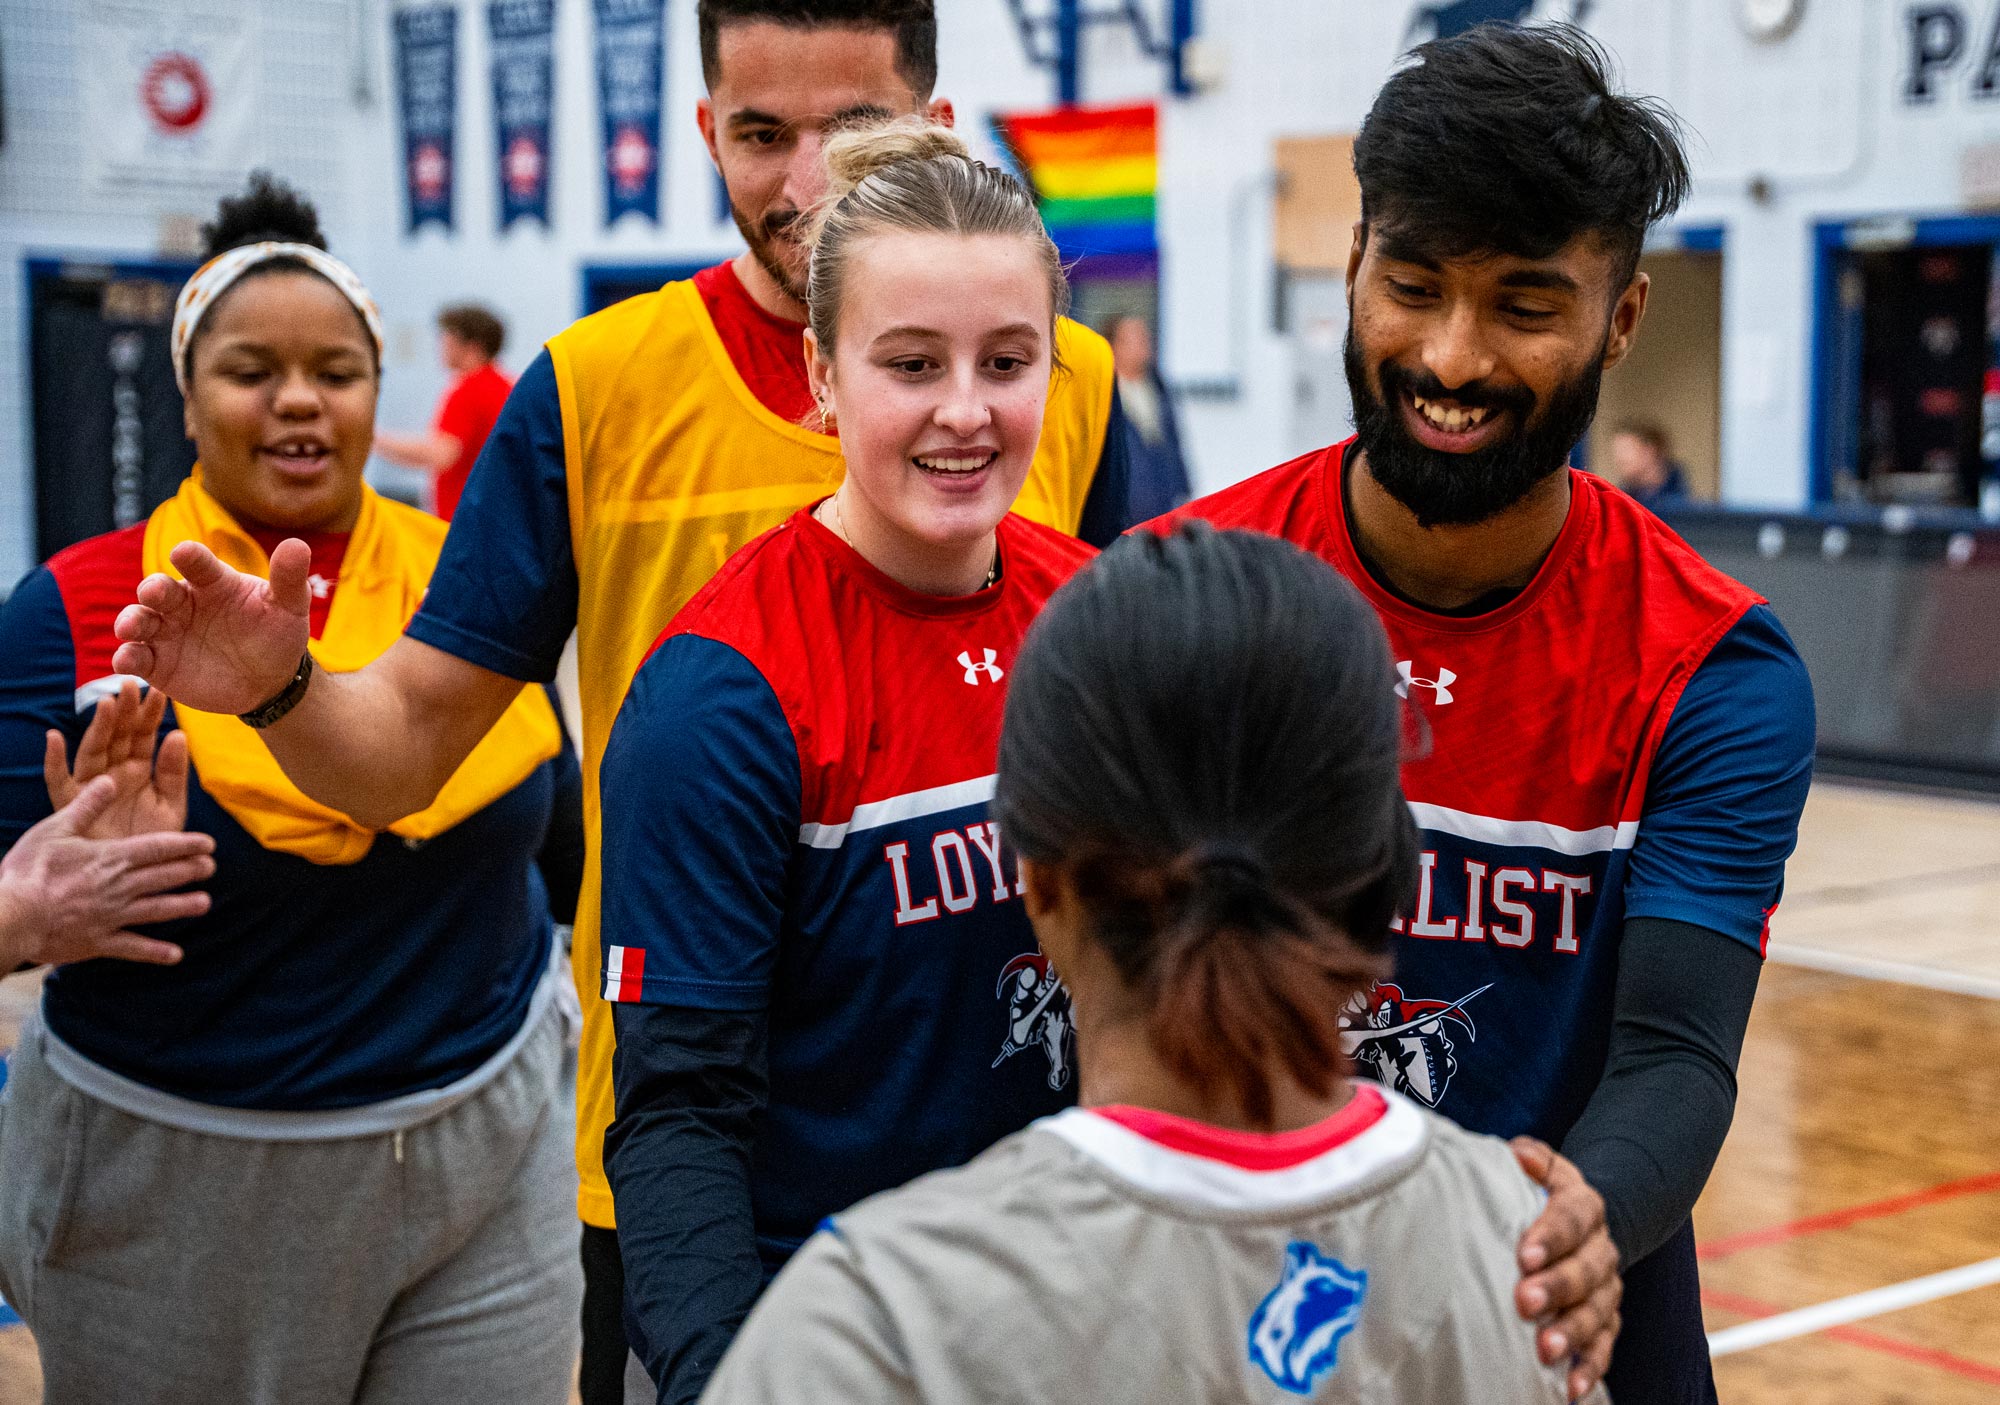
<point x="1850" y="1235"/>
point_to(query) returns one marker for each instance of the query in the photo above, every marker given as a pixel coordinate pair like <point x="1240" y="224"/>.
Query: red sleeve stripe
<point x="624" y="970"/>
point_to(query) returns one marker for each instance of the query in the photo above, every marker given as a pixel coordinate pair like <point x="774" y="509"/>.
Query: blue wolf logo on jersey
<point x="1037" y="1013"/>
<point x="1402" y="1044"/>
<point x="1295" y="1332"/>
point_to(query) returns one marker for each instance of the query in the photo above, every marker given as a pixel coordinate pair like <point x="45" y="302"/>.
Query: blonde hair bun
<point x="915" y="176"/>
<point x="853" y="155"/>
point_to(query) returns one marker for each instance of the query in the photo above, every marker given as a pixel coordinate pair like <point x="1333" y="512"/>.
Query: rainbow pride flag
<point x="1095" y="171"/>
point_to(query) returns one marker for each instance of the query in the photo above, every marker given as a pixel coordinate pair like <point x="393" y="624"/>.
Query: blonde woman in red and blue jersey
<point x="824" y="982"/>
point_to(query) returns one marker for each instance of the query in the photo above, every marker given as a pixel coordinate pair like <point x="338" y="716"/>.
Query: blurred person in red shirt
<point x="469" y="338"/>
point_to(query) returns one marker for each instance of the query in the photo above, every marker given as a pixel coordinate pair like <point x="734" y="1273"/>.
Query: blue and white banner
<point x="427" y="89"/>
<point x="630" y="47"/>
<point x="523" y="35"/>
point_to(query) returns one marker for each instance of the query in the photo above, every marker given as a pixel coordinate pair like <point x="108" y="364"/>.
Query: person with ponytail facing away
<point x="1199" y="773"/>
<point x="319" y="1156"/>
<point x="821" y="974"/>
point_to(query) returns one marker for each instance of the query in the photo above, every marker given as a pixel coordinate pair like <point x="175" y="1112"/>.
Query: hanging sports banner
<point x="523" y="40"/>
<point x="427" y="90"/>
<point x="169" y="94"/>
<point x="630" y="43"/>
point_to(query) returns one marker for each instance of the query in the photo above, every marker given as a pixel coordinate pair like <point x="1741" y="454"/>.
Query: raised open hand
<point x="150" y="795"/>
<point x="67" y="897"/>
<point x="219" y="640"/>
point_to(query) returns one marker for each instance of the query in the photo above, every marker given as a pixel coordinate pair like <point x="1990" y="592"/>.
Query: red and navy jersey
<point x="306" y="987"/>
<point x="1630" y="736"/>
<point x="795" y="822"/>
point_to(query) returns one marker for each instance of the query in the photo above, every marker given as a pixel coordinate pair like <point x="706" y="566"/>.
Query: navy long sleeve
<point x="700" y="810"/>
<point x="1649" y="1136"/>
<point x="691" y="1086"/>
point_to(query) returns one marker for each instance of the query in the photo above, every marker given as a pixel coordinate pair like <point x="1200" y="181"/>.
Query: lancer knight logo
<point x="1037" y="1014"/>
<point x="1404" y="1044"/>
<point x="1295" y="1332"/>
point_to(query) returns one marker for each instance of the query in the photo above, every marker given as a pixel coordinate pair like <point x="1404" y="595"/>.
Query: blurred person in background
<point x="469" y="341"/>
<point x="639" y="449"/>
<point x="322" y="1158"/>
<point x="1153" y="441"/>
<point x="1642" y="464"/>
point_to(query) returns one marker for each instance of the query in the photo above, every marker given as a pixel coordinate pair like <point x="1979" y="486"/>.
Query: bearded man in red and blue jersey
<point x="1614" y="740"/>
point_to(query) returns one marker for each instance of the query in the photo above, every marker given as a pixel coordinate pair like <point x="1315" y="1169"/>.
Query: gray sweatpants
<point x="159" y="1265"/>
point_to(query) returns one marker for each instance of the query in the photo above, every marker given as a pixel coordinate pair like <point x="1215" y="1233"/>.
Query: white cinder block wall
<point x="1817" y="121"/>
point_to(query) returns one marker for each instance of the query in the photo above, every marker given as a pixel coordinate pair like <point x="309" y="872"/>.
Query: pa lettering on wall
<point x="1951" y="46"/>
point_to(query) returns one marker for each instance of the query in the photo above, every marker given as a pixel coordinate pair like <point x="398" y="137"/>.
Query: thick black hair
<point x="267" y="210"/>
<point x="1509" y="139"/>
<point x="1202" y="732"/>
<point x="914" y="22"/>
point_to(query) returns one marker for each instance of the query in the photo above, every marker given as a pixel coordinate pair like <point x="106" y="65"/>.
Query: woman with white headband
<point x="319" y="1159"/>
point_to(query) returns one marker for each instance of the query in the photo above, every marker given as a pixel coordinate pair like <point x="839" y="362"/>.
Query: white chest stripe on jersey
<point x="1524" y="834"/>
<point x="1177" y="1175"/>
<point x="937" y="800"/>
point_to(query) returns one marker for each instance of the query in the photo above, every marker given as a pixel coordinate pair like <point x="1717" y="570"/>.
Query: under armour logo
<point x="1440" y="686"/>
<point x="987" y="666"/>
<point x="319" y="585"/>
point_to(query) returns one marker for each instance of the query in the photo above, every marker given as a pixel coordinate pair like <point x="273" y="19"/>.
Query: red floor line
<point x="1853" y="1214"/>
<point x="1862" y="1337"/>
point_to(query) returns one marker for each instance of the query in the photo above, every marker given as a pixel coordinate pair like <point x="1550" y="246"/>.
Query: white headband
<point x="214" y="278"/>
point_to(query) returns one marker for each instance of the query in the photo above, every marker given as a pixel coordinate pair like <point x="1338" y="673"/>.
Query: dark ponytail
<point x="1202" y="732"/>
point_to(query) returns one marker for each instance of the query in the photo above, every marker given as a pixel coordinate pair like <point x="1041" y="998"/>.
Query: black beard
<point x="1461" y="490"/>
<point x="763" y="238"/>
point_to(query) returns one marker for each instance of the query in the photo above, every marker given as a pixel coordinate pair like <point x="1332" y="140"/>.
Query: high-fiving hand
<point x="109" y="859"/>
<point x="218" y="640"/>
<point x="149" y="794"/>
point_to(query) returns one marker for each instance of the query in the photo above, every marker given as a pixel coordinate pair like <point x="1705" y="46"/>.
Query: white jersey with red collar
<point x="1124" y="1256"/>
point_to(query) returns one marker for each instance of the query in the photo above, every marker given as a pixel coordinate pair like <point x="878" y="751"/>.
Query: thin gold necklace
<point x="839" y="526"/>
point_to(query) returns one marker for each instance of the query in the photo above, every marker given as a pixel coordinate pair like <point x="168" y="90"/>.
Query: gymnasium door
<point x="108" y="441"/>
<point x="1907" y="362"/>
<point x="1673" y="378"/>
